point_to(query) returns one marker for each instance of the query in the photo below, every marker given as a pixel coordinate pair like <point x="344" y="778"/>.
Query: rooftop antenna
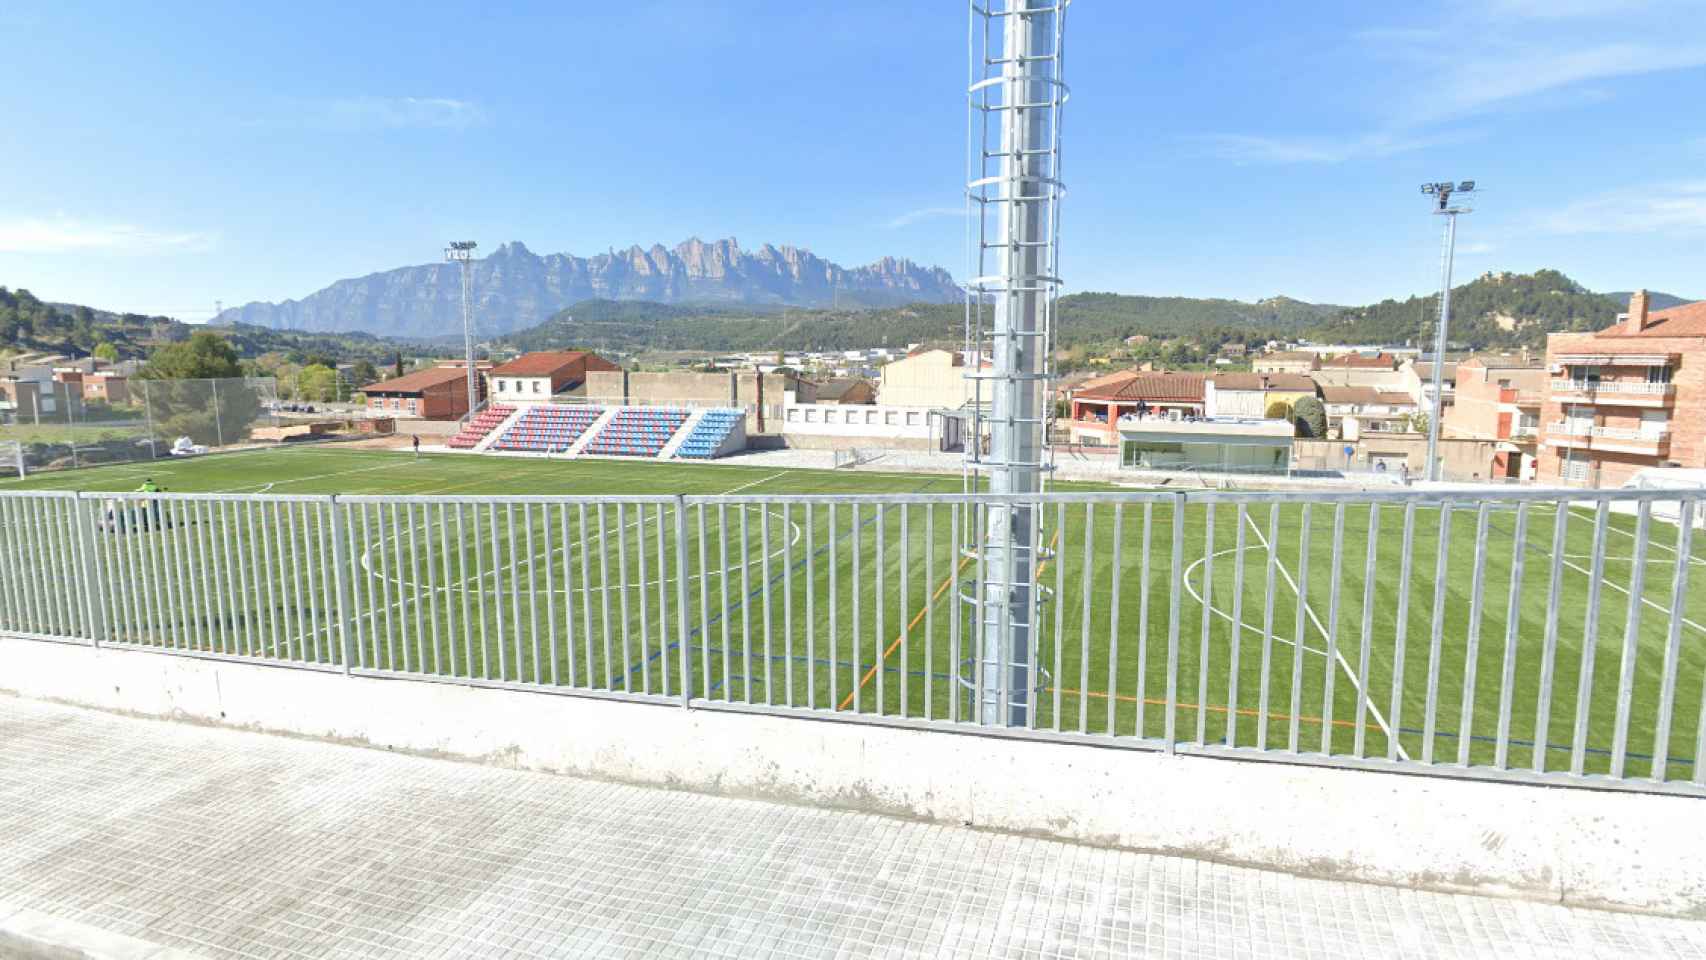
<point x="1442" y="193"/>
<point x="462" y="251"/>
<point x="1013" y="192"/>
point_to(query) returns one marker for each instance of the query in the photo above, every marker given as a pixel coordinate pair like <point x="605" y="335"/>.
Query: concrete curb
<point x="33" y="935"/>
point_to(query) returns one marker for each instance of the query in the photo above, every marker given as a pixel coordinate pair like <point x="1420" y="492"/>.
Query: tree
<point x="1419" y="422"/>
<point x="397" y="369"/>
<point x="106" y="351"/>
<point x="195" y="389"/>
<point x="317" y="383"/>
<point x="204" y="356"/>
<point x="363" y="372"/>
<point x="1309" y="418"/>
<point x="1278" y="410"/>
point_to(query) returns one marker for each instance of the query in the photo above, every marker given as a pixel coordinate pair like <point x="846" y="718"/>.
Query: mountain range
<point x="515" y="288"/>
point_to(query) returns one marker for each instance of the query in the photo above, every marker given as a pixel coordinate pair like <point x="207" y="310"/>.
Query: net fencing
<point x="63" y="425"/>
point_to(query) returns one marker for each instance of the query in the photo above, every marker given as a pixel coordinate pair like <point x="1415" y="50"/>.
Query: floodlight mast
<point x="1015" y="96"/>
<point x="462" y="251"/>
<point x="1442" y="192"/>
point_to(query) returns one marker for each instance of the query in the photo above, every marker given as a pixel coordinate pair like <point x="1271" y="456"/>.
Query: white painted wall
<point x="1575" y="846"/>
<point x="866" y="421"/>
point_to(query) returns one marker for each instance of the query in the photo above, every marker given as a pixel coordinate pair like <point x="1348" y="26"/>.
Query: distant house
<point x="1099" y="403"/>
<point x="1255" y="395"/>
<point x="1286" y="362"/>
<point x="1354" y="411"/>
<point x="1233" y="350"/>
<point x="540" y="376"/>
<point x="106" y="387"/>
<point x="439" y="393"/>
<point x="846" y="390"/>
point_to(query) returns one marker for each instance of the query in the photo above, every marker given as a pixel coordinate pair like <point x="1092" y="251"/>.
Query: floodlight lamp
<point x="1467" y="186"/>
<point x="1428" y="188"/>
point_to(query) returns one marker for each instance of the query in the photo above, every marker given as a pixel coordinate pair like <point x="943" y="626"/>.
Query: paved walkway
<point x="179" y="840"/>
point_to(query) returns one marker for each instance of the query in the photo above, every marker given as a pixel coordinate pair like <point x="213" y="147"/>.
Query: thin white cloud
<point x="397" y="113"/>
<point x="1678" y="207"/>
<point x="1246" y="148"/>
<point x="1493" y="77"/>
<point x="911" y="217"/>
<point x="1476" y="248"/>
<point x="68" y="235"/>
<point x="1484" y="57"/>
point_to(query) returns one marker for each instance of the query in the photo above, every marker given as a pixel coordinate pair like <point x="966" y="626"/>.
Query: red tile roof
<point x="1337" y="394"/>
<point x="1152" y="387"/>
<point x="1380" y="361"/>
<point x="1688" y="320"/>
<point x="1290" y="382"/>
<point x="419" y="381"/>
<point x="543" y="364"/>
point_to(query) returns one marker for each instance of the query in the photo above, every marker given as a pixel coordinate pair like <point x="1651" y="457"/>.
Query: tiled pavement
<point x="228" y="844"/>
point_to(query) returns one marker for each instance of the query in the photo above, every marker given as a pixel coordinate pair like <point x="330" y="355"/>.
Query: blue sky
<point x="160" y="157"/>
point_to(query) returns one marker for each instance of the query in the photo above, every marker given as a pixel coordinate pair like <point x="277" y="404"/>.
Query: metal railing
<point x="1519" y="635"/>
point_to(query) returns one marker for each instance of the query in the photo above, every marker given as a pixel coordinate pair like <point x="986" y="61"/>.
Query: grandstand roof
<point x="417" y="382"/>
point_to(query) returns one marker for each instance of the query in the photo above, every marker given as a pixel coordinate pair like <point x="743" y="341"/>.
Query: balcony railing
<point x="1626" y="387"/>
<point x="1642" y="439"/>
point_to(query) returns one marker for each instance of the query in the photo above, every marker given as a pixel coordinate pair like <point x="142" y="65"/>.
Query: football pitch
<point x="1508" y="636"/>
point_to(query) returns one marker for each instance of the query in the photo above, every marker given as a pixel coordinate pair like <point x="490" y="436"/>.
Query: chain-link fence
<point x="61" y="425"/>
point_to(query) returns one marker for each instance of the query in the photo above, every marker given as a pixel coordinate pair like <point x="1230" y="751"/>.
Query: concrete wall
<point x="826" y="426"/>
<point x="1462" y="459"/>
<point x="1559" y="845"/>
<point x="929" y="378"/>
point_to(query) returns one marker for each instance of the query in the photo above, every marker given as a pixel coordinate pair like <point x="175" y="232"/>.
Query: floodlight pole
<point x="462" y="251"/>
<point x="1025" y="95"/>
<point x="1444" y="208"/>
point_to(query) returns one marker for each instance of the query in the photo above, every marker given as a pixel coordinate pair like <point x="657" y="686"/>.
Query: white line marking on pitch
<point x="463" y="583"/>
<point x="1310" y="610"/>
<point x="262" y="487"/>
<point x="749" y="486"/>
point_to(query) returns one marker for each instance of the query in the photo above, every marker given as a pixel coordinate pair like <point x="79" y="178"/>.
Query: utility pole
<point x="462" y="251"/>
<point x="1442" y="192"/>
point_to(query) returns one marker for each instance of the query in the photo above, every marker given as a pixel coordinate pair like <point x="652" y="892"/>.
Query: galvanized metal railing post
<point x="681" y="599"/>
<point x="340" y="579"/>
<point x="94" y="613"/>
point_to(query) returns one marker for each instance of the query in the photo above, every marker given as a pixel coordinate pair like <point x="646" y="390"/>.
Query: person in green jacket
<point x="151" y="514"/>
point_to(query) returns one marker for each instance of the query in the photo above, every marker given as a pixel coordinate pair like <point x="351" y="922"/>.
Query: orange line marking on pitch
<point x="946" y="581"/>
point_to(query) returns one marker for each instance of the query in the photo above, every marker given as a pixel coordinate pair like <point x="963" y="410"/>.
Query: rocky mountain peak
<point x="516" y="288"/>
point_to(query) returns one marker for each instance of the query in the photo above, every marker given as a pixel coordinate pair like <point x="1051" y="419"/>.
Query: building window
<point x="1658" y="374"/>
<point x="414" y="406"/>
<point x="811" y="416"/>
<point x="912" y="418"/>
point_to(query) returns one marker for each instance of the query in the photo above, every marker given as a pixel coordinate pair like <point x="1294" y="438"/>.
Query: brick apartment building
<point x="1499" y="400"/>
<point x="1625" y="398"/>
